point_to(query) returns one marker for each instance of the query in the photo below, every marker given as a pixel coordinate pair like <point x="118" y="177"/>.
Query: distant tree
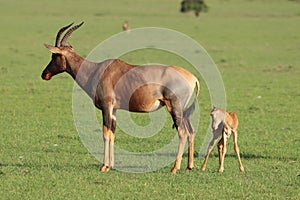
<point x="196" y="5"/>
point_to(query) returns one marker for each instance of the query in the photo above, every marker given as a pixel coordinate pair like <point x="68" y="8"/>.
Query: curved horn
<point x="57" y="44"/>
<point x="69" y="32"/>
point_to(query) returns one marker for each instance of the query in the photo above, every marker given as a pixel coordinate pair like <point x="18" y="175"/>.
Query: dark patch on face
<point x="57" y="65"/>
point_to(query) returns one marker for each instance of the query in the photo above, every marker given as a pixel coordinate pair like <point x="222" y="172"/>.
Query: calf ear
<point x="213" y="108"/>
<point x="53" y="49"/>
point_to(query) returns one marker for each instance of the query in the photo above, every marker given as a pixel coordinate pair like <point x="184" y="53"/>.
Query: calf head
<point x="218" y="117"/>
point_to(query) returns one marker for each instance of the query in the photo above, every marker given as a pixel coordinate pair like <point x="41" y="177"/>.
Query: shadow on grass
<point x="248" y="156"/>
<point x="95" y="167"/>
<point x="52" y="166"/>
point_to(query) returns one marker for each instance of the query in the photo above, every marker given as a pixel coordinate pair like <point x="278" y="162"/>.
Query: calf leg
<point x="237" y="151"/>
<point x="222" y="152"/>
<point x="209" y="149"/>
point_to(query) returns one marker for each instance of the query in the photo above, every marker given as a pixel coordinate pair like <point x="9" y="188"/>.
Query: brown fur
<point x="224" y="124"/>
<point x="114" y="84"/>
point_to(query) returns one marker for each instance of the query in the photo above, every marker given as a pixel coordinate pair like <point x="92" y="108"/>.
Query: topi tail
<point x="190" y="110"/>
<point x="187" y="112"/>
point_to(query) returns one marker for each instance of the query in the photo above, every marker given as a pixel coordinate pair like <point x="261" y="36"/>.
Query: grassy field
<point x="256" y="45"/>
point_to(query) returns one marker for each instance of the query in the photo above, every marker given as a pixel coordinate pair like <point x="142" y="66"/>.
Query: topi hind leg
<point x="176" y="113"/>
<point x="191" y="137"/>
<point x="182" y="140"/>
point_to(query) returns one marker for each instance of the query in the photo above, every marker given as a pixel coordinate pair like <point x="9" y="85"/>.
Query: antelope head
<point x="218" y="117"/>
<point x="58" y="63"/>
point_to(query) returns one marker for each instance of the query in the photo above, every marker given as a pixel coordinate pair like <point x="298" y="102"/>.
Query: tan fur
<point x="125" y="26"/>
<point x="224" y="124"/>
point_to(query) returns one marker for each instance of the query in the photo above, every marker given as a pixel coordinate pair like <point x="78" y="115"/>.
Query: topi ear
<point x="53" y="49"/>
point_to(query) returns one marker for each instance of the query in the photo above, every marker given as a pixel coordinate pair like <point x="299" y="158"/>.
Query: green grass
<point x="256" y="46"/>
